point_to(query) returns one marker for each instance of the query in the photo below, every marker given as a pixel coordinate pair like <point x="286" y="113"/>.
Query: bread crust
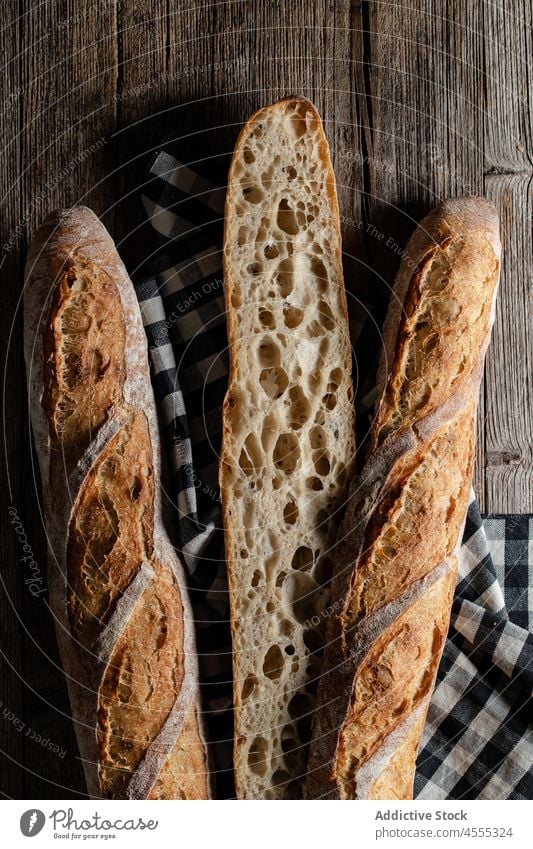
<point x="398" y="546"/>
<point x="73" y="242"/>
<point x="228" y="460"/>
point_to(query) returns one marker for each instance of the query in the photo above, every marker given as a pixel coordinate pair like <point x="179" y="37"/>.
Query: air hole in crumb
<point x="292" y="316"/>
<point x="285" y="277"/>
<point x="289" y="650"/>
<point x="335" y="377"/>
<point x="322" y="464"/>
<point x="290" y="513"/>
<point x="266" y="179"/>
<point x="268" y="354"/>
<point x="288" y="741"/>
<point x="286" y="218"/>
<point x="300" y="408"/>
<point x="256" y="577"/>
<point x="302" y="558"/>
<point x="314" y="483"/>
<point x="248" y="156"/>
<point x="318" y="269"/>
<point x="273" y="663"/>
<point x="251" y="455"/>
<point x="268" y="432"/>
<point x="274" y="382"/>
<point x="291" y="172"/>
<point x="252" y="194"/>
<point x="249" y="686"/>
<point x="286" y="453"/>
<point x="244" y="553"/>
<point x="326" y="316"/>
<point x="257" y="756"/>
<point x="281" y="577"/>
<point x="302" y="595"/>
<point x="330" y="401"/>
<point x="286" y="628"/>
<point x="271" y="251"/>
<point x="245" y="463"/>
<point x="317" y="437"/>
<point x="266" y="318"/>
<point x="299" y="126"/>
<point x="254" y="268"/>
<point x="314" y="329"/>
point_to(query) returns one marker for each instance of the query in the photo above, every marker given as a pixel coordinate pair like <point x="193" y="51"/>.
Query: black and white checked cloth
<point x="478" y="741"/>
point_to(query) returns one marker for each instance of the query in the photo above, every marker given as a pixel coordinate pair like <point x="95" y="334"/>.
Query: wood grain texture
<point x="12" y="584"/>
<point x="508" y="395"/>
<point x="419" y="102"/>
<point x="508" y="146"/>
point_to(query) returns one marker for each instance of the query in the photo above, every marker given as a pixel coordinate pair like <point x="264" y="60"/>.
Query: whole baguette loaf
<point x="288" y="444"/>
<point x="398" y="546"/>
<point x="117" y="588"/>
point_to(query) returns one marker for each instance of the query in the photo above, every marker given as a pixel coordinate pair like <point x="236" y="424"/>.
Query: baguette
<point x="117" y="588"/>
<point x="288" y="443"/>
<point x="398" y="547"/>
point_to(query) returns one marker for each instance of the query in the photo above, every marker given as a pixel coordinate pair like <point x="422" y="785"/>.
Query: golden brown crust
<point x="116" y="586"/>
<point x="396" y="780"/>
<point x="185" y="769"/>
<point x="442" y="326"/>
<point x="84" y="352"/>
<point x="394" y="679"/>
<point x="139" y="685"/>
<point x="397" y="534"/>
<point x="111" y="531"/>
<point x="406" y="518"/>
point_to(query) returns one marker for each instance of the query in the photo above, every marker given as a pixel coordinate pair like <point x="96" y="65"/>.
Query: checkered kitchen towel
<point x="478" y="741"/>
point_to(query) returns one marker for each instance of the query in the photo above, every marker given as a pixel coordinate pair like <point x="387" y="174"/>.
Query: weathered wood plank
<point x="509" y="371"/>
<point x="425" y="92"/>
<point x="11" y="589"/>
<point x="509" y="168"/>
<point x="142" y="44"/>
<point x="70" y="70"/>
<point x="508" y="42"/>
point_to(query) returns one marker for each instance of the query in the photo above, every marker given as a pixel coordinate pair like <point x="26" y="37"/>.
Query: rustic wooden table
<point x="420" y="101"/>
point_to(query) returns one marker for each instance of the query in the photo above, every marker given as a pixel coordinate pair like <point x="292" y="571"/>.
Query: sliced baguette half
<point x="288" y="445"/>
